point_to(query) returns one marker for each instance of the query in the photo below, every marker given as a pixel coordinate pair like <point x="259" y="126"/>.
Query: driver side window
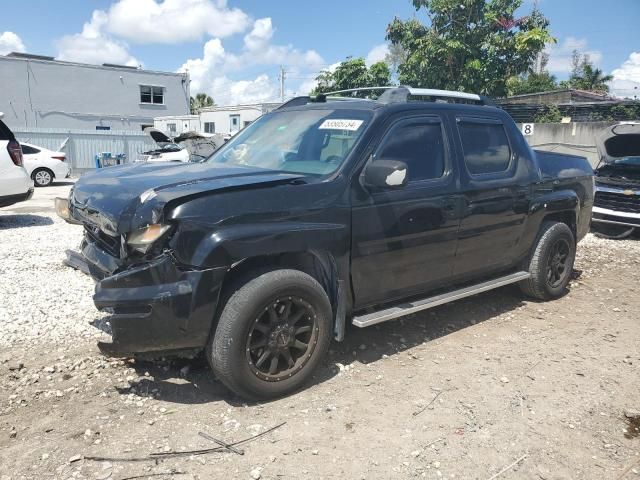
<point x="419" y="144"/>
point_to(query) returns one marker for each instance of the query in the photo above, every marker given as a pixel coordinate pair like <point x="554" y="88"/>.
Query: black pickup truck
<point x="324" y="211"/>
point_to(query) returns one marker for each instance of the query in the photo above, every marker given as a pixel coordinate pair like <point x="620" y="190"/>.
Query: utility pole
<point x="282" y="77"/>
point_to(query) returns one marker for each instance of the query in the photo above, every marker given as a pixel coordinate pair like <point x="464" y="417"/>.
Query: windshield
<point x="303" y="141"/>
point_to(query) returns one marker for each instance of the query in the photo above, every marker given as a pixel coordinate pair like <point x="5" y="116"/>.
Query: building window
<point x="234" y="123"/>
<point x="209" y="127"/>
<point x="153" y="95"/>
<point x="102" y="127"/>
<point x="246" y="124"/>
<point x="171" y="127"/>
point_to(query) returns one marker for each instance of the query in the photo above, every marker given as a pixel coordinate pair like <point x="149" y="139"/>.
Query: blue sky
<point x="233" y="48"/>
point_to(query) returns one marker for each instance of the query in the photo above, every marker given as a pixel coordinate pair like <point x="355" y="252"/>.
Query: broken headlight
<point x="141" y="240"/>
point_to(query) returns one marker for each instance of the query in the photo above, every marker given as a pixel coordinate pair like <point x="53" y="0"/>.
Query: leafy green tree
<point x="200" y="101"/>
<point x="531" y="83"/>
<point x="353" y="73"/>
<point x="472" y="45"/>
<point x="549" y="114"/>
<point x="537" y="79"/>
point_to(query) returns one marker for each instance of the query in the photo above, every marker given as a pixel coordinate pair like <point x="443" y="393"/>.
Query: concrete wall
<point x="81" y="146"/>
<point x="52" y="94"/>
<point x="573" y="138"/>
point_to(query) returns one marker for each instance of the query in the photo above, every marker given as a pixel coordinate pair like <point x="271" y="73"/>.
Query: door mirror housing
<point x="386" y="174"/>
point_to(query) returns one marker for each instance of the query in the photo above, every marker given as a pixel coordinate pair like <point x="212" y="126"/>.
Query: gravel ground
<point x="489" y="387"/>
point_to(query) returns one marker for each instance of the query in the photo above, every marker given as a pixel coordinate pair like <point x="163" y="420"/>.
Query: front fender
<point x="220" y="246"/>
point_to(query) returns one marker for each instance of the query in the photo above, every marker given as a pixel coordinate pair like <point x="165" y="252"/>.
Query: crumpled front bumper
<point x="156" y="306"/>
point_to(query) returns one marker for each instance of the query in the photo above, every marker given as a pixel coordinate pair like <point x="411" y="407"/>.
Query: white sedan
<point x="44" y="165"/>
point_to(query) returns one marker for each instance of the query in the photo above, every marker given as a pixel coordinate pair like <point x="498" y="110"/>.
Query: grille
<point x="106" y="242"/>
<point x="618" y="201"/>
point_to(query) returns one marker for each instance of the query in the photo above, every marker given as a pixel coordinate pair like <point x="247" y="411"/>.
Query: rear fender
<point x="560" y="205"/>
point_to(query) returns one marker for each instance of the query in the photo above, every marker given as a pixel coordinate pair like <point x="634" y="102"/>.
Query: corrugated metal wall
<point x="81" y="146"/>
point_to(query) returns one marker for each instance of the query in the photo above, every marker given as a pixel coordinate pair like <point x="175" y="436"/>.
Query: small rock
<point x="75" y="458"/>
<point x="504" y="379"/>
<point x="16" y="366"/>
<point x="314" y="452"/>
<point x="256" y="473"/>
<point x="415" y="453"/>
<point x="632" y="413"/>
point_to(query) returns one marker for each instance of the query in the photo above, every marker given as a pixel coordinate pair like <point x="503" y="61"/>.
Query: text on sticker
<point x="337" y="124"/>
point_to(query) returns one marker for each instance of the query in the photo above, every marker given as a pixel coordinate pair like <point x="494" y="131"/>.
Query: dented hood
<point x="124" y="198"/>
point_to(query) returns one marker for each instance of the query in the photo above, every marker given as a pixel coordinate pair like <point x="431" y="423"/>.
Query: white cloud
<point x="174" y="21"/>
<point x="560" y="55"/>
<point x="626" y="78"/>
<point x="377" y="54"/>
<point x="10" y="42"/>
<point x="92" y="45"/>
<point x="211" y="73"/>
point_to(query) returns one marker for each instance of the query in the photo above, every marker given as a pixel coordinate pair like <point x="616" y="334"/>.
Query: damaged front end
<point x="154" y="303"/>
<point x="616" y="211"/>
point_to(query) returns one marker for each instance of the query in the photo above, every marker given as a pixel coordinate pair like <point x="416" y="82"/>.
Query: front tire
<point x="42" y="177"/>
<point x="551" y="264"/>
<point x="272" y="334"/>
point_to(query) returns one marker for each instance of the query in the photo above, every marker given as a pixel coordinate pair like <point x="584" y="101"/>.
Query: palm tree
<point x="200" y="101"/>
<point x="594" y="79"/>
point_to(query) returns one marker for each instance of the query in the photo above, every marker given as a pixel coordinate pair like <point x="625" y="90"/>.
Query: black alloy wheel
<point x="282" y="339"/>
<point x="272" y="333"/>
<point x="558" y="263"/>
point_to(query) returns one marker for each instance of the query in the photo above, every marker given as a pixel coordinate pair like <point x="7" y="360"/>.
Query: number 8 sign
<point x="527" y="129"/>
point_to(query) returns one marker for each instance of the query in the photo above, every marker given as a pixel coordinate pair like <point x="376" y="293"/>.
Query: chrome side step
<point x="413" y="307"/>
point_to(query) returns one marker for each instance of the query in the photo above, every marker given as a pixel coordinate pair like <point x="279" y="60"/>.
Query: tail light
<point x="62" y="158"/>
<point x="15" y="152"/>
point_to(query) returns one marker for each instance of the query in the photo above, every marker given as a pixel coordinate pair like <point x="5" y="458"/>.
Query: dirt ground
<point x="494" y="386"/>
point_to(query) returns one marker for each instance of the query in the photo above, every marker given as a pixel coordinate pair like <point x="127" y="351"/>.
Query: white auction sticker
<point x="337" y="124"/>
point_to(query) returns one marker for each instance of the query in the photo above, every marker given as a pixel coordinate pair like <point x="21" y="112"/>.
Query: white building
<point x="231" y="119"/>
<point x="176" y="124"/>
<point x="42" y="92"/>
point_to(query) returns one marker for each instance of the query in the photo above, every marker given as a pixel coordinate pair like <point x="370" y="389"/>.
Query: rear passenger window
<point x="418" y="144"/>
<point x="486" y="147"/>
<point x="27" y="150"/>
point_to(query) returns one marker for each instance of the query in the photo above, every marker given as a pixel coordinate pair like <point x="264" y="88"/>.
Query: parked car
<point x="15" y="184"/>
<point x="319" y="212"/>
<point x="186" y="147"/>
<point x="168" y="151"/>
<point x="44" y="165"/>
<point x="616" y="211"/>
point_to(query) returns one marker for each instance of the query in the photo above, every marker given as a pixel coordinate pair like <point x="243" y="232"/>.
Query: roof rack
<point x="391" y="94"/>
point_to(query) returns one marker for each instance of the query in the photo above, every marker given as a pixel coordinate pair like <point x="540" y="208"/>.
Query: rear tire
<point x="272" y="334"/>
<point x="551" y="264"/>
<point x="42" y="177"/>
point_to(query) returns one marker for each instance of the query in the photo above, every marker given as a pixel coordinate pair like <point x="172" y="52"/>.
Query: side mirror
<point x="386" y="174"/>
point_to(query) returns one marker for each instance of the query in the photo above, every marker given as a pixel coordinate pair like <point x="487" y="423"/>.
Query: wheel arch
<point x="318" y="264"/>
<point x="37" y="169"/>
